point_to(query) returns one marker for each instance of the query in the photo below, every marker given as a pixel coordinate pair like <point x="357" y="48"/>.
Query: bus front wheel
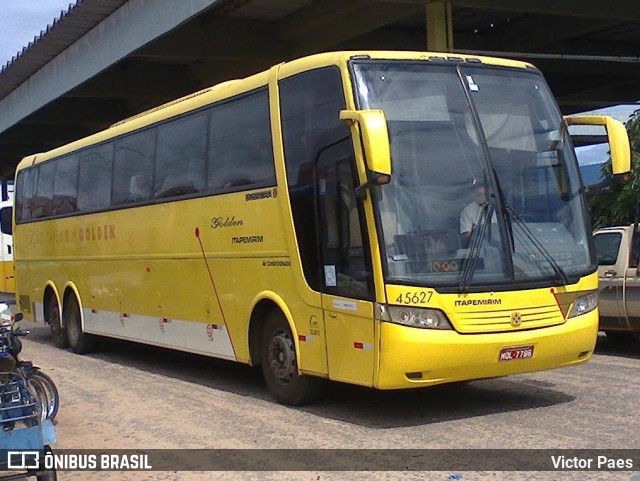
<point x="280" y="365"/>
<point x="79" y="341"/>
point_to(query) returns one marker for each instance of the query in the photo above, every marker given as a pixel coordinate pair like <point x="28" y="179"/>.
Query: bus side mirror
<point x="375" y="140"/>
<point x="375" y="137"/>
<point x="617" y="136"/>
<point x="6" y="218"/>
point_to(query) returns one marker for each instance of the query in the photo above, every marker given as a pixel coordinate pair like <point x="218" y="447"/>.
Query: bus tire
<point x="80" y="342"/>
<point x="280" y="365"/>
<point x="58" y="333"/>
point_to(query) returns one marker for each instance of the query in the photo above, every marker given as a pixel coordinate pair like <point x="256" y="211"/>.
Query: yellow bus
<point x="309" y="219"/>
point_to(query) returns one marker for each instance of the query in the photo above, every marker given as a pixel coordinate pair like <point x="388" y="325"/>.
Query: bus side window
<point x="133" y="161"/>
<point x="180" y="157"/>
<point x="20" y="190"/>
<point x="310" y="104"/>
<point x="65" y="187"/>
<point x="43" y="200"/>
<point x="240" y="149"/>
<point x="94" y="179"/>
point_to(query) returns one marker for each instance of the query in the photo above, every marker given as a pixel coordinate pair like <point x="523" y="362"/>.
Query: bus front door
<point x="347" y="280"/>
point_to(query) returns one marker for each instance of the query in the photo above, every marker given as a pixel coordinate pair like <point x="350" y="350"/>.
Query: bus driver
<point x="470" y="215"/>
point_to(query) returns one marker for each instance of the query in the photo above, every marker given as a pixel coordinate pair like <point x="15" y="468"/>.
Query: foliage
<point x="614" y="201"/>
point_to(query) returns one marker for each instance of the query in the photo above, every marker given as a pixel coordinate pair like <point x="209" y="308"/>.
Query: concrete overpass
<point x="105" y="60"/>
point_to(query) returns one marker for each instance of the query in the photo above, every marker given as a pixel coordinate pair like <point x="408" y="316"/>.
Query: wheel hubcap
<point x="282" y="357"/>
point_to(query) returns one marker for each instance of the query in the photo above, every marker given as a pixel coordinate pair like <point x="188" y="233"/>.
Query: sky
<point x="21" y="20"/>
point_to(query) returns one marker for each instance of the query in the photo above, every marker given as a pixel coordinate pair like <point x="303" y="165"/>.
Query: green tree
<point x="615" y="200"/>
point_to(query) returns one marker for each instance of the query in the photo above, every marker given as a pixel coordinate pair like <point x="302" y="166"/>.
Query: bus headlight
<point x="584" y="304"/>
<point x="418" y="317"/>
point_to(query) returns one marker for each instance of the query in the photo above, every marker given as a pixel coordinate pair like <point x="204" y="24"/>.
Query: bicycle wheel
<point x="46" y="392"/>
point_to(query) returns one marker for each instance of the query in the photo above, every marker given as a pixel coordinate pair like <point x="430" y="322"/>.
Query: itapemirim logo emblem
<point x="516" y="319"/>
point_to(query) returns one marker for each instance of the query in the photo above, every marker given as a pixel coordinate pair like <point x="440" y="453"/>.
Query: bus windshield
<point x="485" y="190"/>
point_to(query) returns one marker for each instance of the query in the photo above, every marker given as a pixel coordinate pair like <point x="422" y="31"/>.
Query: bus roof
<point x="234" y="87"/>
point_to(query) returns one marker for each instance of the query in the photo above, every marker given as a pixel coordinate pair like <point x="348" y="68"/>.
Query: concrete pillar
<point x="439" y="27"/>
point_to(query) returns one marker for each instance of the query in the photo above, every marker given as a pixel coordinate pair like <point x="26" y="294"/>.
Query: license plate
<point x="513" y="353"/>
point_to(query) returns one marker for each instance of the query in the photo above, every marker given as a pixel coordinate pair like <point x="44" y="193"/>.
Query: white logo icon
<point x="23" y="459"/>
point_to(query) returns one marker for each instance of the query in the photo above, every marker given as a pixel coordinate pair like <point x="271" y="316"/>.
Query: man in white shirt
<point x="470" y="215"/>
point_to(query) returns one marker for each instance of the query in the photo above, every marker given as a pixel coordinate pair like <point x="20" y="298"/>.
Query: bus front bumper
<point x="412" y="357"/>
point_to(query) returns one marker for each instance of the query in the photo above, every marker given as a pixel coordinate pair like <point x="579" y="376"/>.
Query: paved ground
<point x="130" y="396"/>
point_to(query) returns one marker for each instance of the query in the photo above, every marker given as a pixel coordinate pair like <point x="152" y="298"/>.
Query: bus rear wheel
<point x="280" y="365"/>
<point x="58" y="333"/>
<point x="79" y="341"/>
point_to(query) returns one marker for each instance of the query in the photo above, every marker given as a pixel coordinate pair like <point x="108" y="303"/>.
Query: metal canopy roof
<point x="587" y="49"/>
<point x="64" y="30"/>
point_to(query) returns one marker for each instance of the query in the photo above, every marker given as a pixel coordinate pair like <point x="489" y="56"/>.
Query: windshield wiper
<point x="538" y="245"/>
<point x="504" y="212"/>
<point x="476" y="243"/>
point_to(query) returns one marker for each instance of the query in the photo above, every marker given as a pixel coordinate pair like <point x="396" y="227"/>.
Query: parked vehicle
<point x="10" y="346"/>
<point x="22" y="426"/>
<point x="618" y="253"/>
